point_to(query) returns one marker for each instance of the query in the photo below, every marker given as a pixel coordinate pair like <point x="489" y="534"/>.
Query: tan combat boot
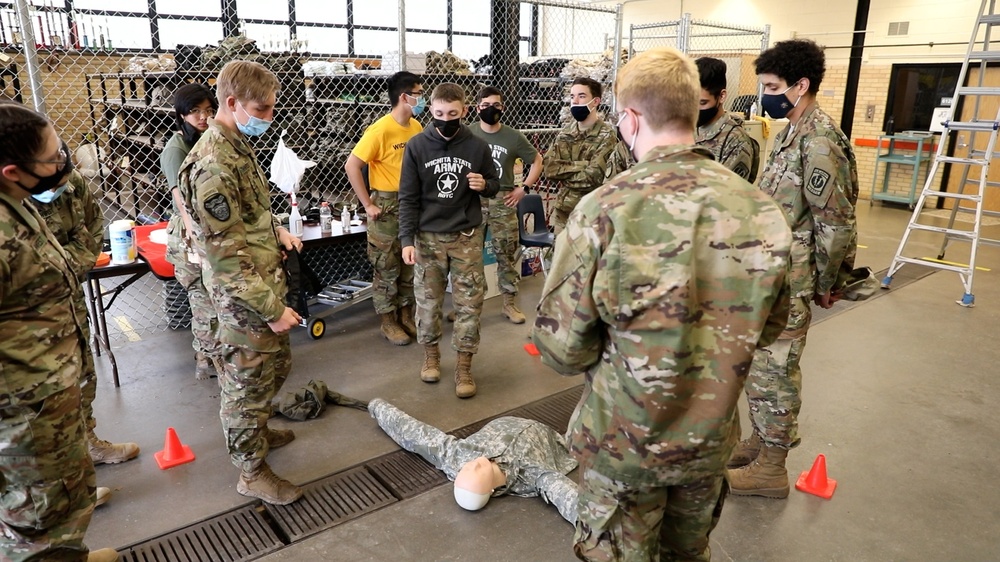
<point x="511" y="311"/>
<point x="103" y="555"/>
<point x="103" y="452"/>
<point x="278" y="437"/>
<point x="465" y="387"/>
<point x="765" y="476"/>
<point x="267" y="486"/>
<point x="431" y="369"/>
<point x="407" y="321"/>
<point x="392" y="330"/>
<point x="101" y="496"/>
<point x="745" y="452"/>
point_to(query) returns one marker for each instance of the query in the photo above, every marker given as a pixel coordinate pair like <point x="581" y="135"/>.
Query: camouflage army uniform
<point x="813" y="176"/>
<point x="47" y="479"/>
<point x="730" y="143"/>
<point x="76" y="221"/>
<point x="187" y="272"/>
<point x="582" y="161"/>
<point x="228" y="196"/>
<point x="393" y="279"/>
<point x="663" y="284"/>
<point x="532" y="456"/>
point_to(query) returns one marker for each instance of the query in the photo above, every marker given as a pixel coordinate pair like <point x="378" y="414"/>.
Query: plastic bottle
<point x="325" y="218"/>
<point x="345" y="219"/>
<point x="295" y="221"/>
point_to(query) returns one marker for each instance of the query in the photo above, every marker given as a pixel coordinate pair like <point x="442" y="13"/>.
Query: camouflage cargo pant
<point x="502" y="222"/>
<point x="774" y="384"/>
<point x="622" y="523"/>
<point x="88" y="377"/>
<point x="249" y="381"/>
<point x="204" y="321"/>
<point x="459" y="255"/>
<point x="47" y="480"/>
<point x="559" y="219"/>
<point x="392" y="286"/>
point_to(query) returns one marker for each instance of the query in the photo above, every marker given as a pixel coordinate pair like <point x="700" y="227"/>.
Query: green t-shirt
<point x="174" y="153"/>
<point x="506" y="145"/>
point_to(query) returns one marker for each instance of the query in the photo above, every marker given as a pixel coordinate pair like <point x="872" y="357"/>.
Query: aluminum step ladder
<point x="983" y="49"/>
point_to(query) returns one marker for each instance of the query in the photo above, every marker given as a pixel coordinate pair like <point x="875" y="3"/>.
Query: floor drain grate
<point x="237" y="535"/>
<point x="329" y="502"/>
<point x="406" y="474"/>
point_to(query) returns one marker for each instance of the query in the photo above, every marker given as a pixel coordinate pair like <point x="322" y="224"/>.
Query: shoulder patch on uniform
<point x="817" y="181"/>
<point x="218" y="206"/>
<point x="741" y="170"/>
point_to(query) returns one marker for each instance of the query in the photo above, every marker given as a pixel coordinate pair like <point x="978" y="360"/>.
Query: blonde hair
<point x="663" y="85"/>
<point x="246" y="81"/>
<point x="448" y="92"/>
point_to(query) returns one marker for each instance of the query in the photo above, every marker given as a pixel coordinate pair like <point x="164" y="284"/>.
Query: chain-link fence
<point x="738" y="46"/>
<point x="105" y="71"/>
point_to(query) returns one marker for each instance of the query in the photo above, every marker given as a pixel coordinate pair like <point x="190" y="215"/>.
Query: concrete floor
<point x="899" y="395"/>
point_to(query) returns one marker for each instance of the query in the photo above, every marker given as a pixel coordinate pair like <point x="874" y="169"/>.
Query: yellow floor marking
<point x="126" y="328"/>
<point x="956" y="264"/>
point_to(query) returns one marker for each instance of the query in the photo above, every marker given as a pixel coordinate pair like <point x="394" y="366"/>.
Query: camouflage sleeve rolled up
<point x="216" y="210"/>
<point x="831" y="191"/>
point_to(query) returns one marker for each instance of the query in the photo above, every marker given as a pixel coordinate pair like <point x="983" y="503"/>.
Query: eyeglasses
<point x="415" y="94"/>
<point x="202" y="112"/>
<point x="63" y="157"/>
<point x="496" y="105"/>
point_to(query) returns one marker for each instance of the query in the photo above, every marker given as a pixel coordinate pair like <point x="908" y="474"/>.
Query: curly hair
<point x="712" y="73"/>
<point x="22" y="133"/>
<point x="794" y="60"/>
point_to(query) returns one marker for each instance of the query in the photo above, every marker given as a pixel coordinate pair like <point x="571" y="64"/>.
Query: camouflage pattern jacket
<point x="228" y="196"/>
<point x="813" y="176"/>
<point x="76" y="221"/>
<point x="663" y="284"/>
<point x="583" y="160"/>
<point x="41" y="331"/>
<point x="730" y="143"/>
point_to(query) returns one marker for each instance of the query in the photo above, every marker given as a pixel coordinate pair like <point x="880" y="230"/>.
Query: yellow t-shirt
<point x="381" y="147"/>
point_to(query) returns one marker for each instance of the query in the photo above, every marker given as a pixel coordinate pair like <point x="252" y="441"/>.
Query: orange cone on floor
<point x="532" y="349"/>
<point x="815" y="481"/>
<point x="174" y="452"/>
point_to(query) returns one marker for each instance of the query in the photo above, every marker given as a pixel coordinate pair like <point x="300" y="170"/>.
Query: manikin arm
<point x="558" y="490"/>
<point x="432" y="444"/>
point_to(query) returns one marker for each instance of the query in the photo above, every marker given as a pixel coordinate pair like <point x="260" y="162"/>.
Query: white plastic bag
<point x="287" y="168"/>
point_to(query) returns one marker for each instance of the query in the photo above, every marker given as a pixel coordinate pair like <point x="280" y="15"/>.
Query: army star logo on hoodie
<point x="448" y="170"/>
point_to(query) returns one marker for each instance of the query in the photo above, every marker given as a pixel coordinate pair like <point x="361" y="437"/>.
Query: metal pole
<point x="765" y="40"/>
<point x="402" y="34"/>
<point x="684" y="34"/>
<point x="30" y="55"/>
<point x="619" y="11"/>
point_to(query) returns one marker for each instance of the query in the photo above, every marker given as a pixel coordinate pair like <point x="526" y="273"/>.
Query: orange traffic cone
<point x="174" y="452"/>
<point x="532" y="349"/>
<point x="815" y="481"/>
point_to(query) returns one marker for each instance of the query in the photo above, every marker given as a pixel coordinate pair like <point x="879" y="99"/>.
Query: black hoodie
<point x="434" y="193"/>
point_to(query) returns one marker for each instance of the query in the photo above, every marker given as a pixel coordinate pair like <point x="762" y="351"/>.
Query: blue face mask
<point x="50" y="196"/>
<point x="420" y="107"/>
<point x="778" y="106"/>
<point x="255" y="126"/>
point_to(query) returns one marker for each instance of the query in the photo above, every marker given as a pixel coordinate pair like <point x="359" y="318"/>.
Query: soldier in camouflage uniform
<point x="445" y="171"/>
<point x="381" y="148"/>
<point x="74" y="217"/>
<point x="530" y="456"/>
<point x="194" y="104"/>
<point x="585" y="153"/>
<point x="239" y="243"/>
<point x="812" y="175"/>
<point x="663" y="284"/>
<point x="47" y="480"/>
<point x="718" y="131"/>
<point x="507" y="145"/>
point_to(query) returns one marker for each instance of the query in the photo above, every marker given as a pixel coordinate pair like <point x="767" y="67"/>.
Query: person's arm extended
<point x="353" y="167"/>
<point x="409" y="205"/>
<point x="85" y="238"/>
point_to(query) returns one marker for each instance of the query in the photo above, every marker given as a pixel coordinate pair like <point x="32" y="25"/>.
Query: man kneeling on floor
<point x="514" y="456"/>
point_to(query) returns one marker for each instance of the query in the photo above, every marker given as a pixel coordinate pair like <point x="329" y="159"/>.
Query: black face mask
<point x="705" y="116"/>
<point x="48" y="183"/>
<point x="189" y="133"/>
<point x="448" y="128"/>
<point x="579" y="112"/>
<point x="490" y="115"/>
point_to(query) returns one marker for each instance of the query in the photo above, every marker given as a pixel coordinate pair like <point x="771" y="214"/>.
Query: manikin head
<point x="474" y="484"/>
